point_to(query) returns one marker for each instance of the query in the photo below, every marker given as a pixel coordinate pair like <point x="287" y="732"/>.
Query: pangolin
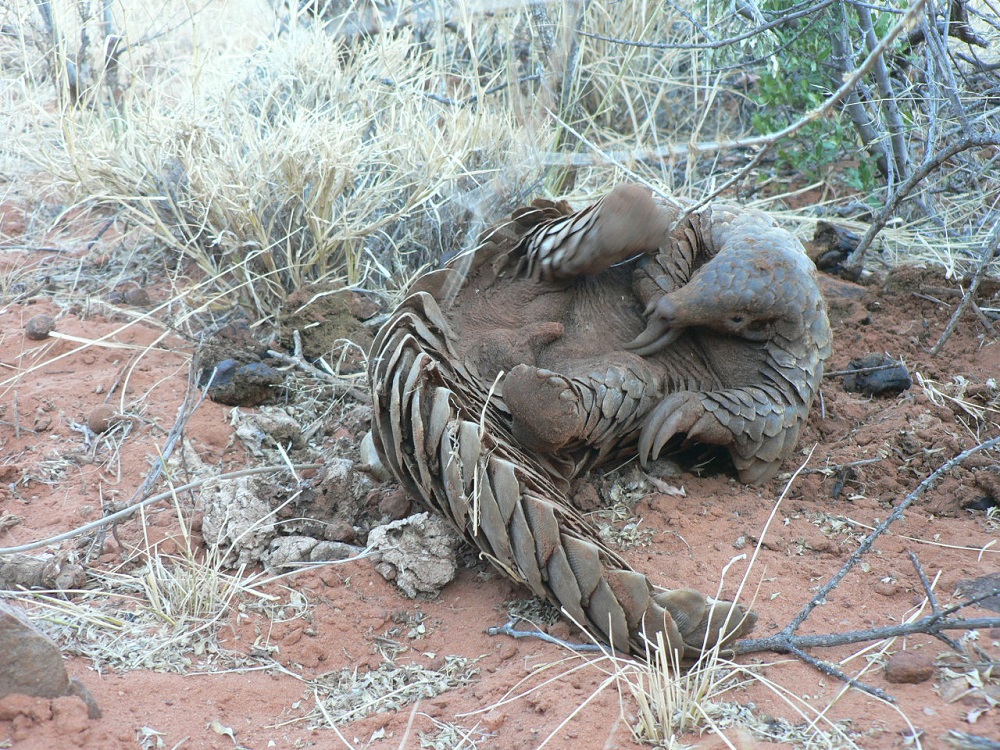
<point x="569" y="339"/>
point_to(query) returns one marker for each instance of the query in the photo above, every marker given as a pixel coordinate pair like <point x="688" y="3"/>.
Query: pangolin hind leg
<point x="592" y="404"/>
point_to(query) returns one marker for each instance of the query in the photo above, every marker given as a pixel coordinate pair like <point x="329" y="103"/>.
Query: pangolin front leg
<point x="624" y="223"/>
<point x="758" y="309"/>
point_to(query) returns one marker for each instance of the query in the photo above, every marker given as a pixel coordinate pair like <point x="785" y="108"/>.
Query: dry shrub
<point x="315" y="161"/>
<point x="360" y="147"/>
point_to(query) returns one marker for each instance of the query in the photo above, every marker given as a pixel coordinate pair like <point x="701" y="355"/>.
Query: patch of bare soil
<point x="295" y="629"/>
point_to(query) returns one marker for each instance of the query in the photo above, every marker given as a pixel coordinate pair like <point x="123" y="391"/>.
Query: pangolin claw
<point x="657" y="337"/>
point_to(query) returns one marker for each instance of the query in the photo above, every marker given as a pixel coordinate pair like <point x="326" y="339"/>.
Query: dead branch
<point x="931" y="625"/>
<point x="770" y="141"/>
<point x="843" y="59"/>
<point x="989" y="253"/>
<point x="888" y="100"/>
<point x="940" y="620"/>
<point x="957" y="26"/>
<point x="856" y="258"/>
<point x="782" y="19"/>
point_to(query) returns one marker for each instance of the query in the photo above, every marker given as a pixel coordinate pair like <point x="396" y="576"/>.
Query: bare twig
<point x="843" y="59"/>
<point x="855" y="259"/>
<point x="769" y="141"/>
<point x="827" y="668"/>
<point x="510" y="629"/>
<point x="931" y="598"/>
<point x="877" y="368"/>
<point x="783" y="19"/>
<point x="893" y="117"/>
<point x="787" y="641"/>
<point x="930" y="625"/>
<point x="989" y="253"/>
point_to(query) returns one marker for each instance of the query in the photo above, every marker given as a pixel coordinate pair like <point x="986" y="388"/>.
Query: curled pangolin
<point x="570" y="339"/>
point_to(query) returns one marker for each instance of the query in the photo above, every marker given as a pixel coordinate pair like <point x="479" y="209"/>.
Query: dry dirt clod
<point x="909" y="667"/>
<point x="324" y="551"/>
<point x="394" y="504"/>
<point x="39" y="327"/>
<point x="45" y="571"/>
<point x="102" y="418"/>
<point x="137" y="297"/>
<point x="418" y="553"/>
<point x="32" y="664"/>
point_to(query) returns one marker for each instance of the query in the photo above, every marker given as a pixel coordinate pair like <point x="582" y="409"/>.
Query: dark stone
<point x="830" y="248"/>
<point x="236" y="384"/>
<point x="39" y="327"/>
<point x="877" y="375"/>
<point x="985" y="589"/>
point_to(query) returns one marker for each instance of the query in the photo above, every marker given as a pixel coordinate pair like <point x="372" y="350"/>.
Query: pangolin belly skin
<point x="566" y="340"/>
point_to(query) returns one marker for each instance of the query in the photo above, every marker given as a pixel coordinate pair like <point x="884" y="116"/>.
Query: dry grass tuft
<point x="358" y="151"/>
<point x="350" y="694"/>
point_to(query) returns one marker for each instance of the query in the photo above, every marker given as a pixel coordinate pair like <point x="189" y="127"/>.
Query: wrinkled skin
<point x="567" y="340"/>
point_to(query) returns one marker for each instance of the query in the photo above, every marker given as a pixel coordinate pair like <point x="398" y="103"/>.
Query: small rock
<point x="236" y="384"/>
<point x="101" y="418"/>
<point x="39" y="327"/>
<point x="877" y="375"/>
<point x="981" y="589"/>
<point x="137" y="297"/>
<point x="32" y="664"/>
<point x="586" y="498"/>
<point x="286" y="550"/>
<point x="339" y="530"/>
<point x="278" y="424"/>
<point x="394" y="504"/>
<point x="493" y="721"/>
<point x="909" y="667"/>
<point x="886" y="588"/>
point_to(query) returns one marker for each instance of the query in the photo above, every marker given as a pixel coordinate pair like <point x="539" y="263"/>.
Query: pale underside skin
<point x="577" y="338"/>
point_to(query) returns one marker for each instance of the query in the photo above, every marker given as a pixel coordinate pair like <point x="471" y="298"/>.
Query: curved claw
<point x="675" y="415"/>
<point x="657" y="336"/>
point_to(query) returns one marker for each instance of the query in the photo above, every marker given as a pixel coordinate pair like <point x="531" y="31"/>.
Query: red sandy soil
<point x="52" y="482"/>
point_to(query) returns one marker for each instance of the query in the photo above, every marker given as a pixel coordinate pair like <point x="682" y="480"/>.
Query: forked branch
<point x="787" y="640"/>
